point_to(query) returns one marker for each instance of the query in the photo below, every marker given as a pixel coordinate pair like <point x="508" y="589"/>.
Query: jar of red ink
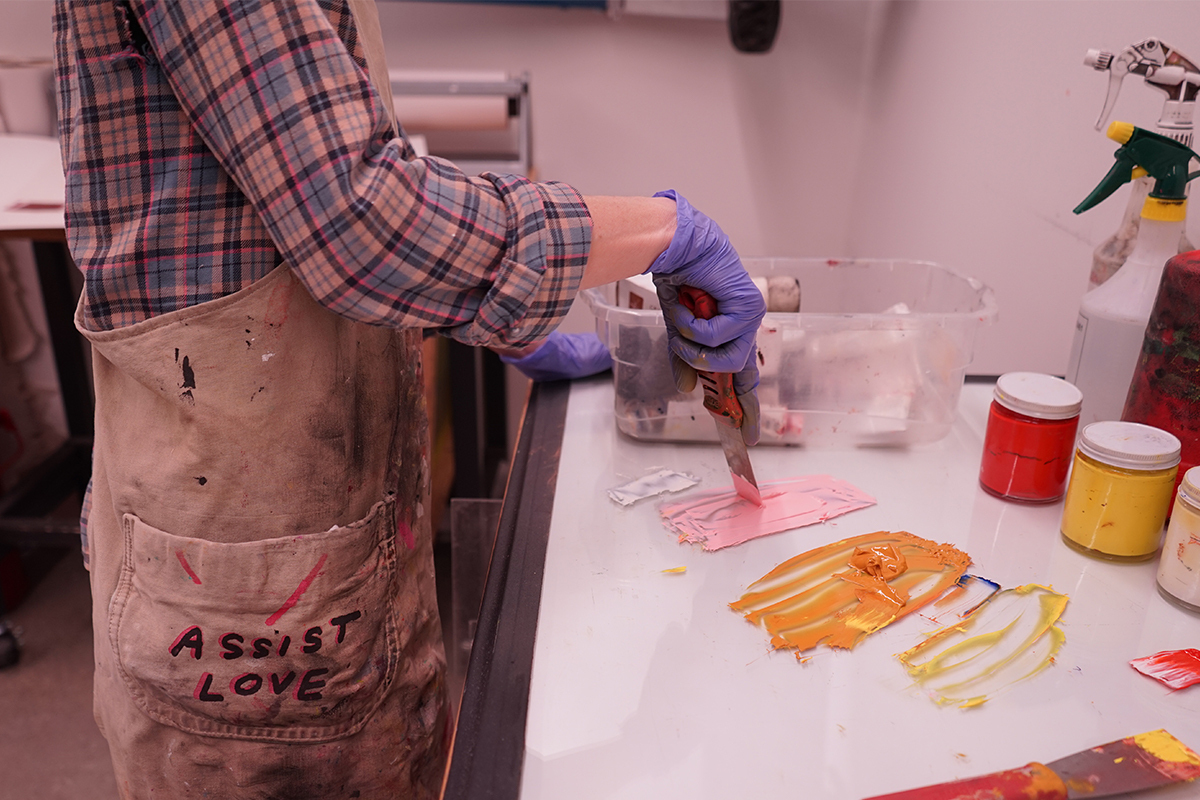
<point x="1030" y="437"/>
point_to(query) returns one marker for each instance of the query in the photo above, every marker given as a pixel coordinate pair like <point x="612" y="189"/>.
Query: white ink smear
<point x="662" y="482"/>
<point x="966" y="596"/>
<point x="1009" y="638"/>
<point x="267" y="356"/>
<point x="721" y="518"/>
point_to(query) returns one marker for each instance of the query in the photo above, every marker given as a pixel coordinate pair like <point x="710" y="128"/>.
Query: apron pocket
<point x="288" y="639"/>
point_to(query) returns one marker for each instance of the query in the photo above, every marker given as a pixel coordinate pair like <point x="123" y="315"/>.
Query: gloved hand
<point x="701" y="255"/>
<point x="562" y="356"/>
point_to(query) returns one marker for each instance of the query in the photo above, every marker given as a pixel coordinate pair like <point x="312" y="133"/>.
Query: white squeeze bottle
<point x="1113" y="316"/>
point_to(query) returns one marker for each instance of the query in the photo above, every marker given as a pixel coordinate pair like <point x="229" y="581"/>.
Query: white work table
<point x="645" y="684"/>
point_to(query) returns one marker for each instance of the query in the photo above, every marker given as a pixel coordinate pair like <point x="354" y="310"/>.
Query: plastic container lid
<point x="1036" y="395"/>
<point x="1130" y="445"/>
<point x="1189" y="487"/>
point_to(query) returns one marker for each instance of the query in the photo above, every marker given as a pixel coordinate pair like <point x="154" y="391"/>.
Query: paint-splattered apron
<point x="261" y="559"/>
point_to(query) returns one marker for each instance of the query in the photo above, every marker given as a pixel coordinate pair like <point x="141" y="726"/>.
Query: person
<point x="262" y="252"/>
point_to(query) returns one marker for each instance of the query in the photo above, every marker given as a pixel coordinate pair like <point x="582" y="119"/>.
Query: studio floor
<point x="50" y="747"/>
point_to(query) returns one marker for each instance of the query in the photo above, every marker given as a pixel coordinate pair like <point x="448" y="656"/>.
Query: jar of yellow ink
<point x="1122" y="482"/>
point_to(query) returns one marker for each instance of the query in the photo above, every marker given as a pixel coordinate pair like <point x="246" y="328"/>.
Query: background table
<point x="642" y="684"/>
<point x="31" y="196"/>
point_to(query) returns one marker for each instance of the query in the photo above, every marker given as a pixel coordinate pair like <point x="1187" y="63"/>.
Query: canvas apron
<point x="261" y="560"/>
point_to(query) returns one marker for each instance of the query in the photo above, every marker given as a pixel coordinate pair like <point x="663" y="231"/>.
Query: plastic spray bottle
<point x="1113" y="316"/>
<point x="1166" y="69"/>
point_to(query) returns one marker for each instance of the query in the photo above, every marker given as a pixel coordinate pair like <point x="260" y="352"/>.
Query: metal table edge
<point x="488" y="751"/>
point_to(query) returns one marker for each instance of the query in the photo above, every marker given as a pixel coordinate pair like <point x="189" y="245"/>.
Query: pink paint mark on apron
<point x="183" y="562"/>
<point x="278" y="304"/>
<point x="406" y="534"/>
<point x="300" y="590"/>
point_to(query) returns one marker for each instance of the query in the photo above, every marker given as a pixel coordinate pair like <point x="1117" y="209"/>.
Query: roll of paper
<point x="464" y="113"/>
<point x="452" y="111"/>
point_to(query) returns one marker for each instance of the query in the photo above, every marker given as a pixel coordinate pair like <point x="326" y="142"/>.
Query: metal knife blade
<point x="721" y="401"/>
<point x="1128" y="765"/>
<point x="739" y="462"/>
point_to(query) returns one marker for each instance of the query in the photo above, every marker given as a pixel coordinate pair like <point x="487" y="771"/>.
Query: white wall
<point x="982" y="142"/>
<point x="956" y="131"/>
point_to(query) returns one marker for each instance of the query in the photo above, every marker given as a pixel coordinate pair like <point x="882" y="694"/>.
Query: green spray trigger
<point x="1164" y="159"/>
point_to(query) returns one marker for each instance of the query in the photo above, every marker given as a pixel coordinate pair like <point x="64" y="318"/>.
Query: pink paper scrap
<point x="720" y="518"/>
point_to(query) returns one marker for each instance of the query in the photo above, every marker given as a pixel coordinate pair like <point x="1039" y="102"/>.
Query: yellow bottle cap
<point x="1120" y="131"/>
<point x="1138" y="172"/>
<point x="1164" y="210"/>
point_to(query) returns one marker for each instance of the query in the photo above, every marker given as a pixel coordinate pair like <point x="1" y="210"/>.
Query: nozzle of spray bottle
<point x="1163" y="159"/>
<point x="1166" y="70"/>
<point x="1163" y="68"/>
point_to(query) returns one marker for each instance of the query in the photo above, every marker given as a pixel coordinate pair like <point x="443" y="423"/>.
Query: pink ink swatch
<point x="187" y="568"/>
<point x="1178" y="669"/>
<point x="720" y="518"/>
<point x="300" y="590"/>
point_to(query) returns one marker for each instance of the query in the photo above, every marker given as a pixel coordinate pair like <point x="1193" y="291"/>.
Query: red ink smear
<point x="34" y="205"/>
<point x="406" y="534"/>
<point x="1178" y="669"/>
<point x="301" y="589"/>
<point x="183" y="562"/>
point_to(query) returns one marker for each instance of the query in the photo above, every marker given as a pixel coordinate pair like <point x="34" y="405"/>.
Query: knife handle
<point x="719" y="396"/>
<point x="1031" y="782"/>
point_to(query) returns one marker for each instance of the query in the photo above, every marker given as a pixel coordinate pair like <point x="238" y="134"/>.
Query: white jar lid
<point x="1189" y="487"/>
<point x="1130" y="445"/>
<point x="1036" y="395"/>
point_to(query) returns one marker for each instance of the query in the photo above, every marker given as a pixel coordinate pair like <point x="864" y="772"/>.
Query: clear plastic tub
<point x="876" y="356"/>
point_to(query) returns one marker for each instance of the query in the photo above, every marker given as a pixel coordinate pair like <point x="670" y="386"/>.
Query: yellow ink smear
<point x="1007" y="639"/>
<point x="824" y="597"/>
<point x="1166" y="747"/>
<point x="674" y="571"/>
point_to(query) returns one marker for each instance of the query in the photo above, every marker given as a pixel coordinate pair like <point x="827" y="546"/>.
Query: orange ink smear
<point x="720" y="518"/>
<point x="1009" y="638"/>
<point x="825" y="597"/>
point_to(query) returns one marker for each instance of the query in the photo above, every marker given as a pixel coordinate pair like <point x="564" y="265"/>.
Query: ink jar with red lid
<point x="1030" y="438"/>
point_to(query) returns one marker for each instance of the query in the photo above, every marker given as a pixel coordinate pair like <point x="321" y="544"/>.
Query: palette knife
<point x="722" y="402"/>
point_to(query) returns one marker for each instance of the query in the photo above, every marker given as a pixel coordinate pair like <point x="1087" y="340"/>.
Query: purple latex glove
<point x="701" y="255"/>
<point x="563" y="356"/>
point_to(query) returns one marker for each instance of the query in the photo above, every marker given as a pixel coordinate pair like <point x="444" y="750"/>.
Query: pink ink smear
<point x="1178" y="669"/>
<point x="300" y="590"/>
<point x="187" y="568"/>
<point x="720" y="518"/>
<point x="406" y="534"/>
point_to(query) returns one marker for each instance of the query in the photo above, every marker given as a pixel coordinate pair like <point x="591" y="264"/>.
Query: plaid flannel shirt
<point x="206" y="142"/>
